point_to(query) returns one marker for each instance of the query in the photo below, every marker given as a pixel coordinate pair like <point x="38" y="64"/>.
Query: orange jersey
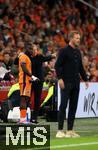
<point x="23" y="77"/>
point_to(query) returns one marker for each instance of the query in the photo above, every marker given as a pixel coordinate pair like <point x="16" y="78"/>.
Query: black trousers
<point x="69" y="93"/>
<point x="37" y="89"/>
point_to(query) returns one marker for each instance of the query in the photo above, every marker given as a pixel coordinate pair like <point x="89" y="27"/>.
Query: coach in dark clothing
<point x="37" y="70"/>
<point x="69" y="68"/>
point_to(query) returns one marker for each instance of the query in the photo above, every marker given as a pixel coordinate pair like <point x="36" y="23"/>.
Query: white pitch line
<point x="73" y="145"/>
<point x="86" y="131"/>
<point x="67" y="145"/>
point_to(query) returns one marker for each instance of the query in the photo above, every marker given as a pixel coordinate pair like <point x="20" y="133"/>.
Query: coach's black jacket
<point x="37" y="65"/>
<point x="69" y="65"/>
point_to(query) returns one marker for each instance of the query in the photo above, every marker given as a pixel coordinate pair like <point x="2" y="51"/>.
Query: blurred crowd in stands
<point x="47" y="23"/>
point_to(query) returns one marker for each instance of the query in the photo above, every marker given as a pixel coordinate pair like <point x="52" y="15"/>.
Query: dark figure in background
<point x="7" y="63"/>
<point x="69" y="67"/>
<point x="37" y="70"/>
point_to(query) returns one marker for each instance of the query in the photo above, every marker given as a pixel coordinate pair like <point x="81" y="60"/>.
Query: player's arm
<point x="25" y="70"/>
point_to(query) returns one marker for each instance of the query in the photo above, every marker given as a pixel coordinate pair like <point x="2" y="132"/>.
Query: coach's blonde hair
<point x="72" y="33"/>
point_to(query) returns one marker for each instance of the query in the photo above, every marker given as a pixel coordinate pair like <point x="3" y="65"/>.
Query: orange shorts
<point x="25" y="89"/>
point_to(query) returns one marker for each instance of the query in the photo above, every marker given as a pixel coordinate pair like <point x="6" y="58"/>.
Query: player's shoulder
<point x="23" y="58"/>
<point x="21" y="54"/>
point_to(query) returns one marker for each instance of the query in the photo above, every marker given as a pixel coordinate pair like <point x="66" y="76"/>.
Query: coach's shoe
<point x="72" y="134"/>
<point x="60" y="134"/>
<point x="75" y="135"/>
<point x="68" y="134"/>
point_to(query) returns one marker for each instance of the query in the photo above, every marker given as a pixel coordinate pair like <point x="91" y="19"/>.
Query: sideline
<point x="73" y="145"/>
<point x="67" y="145"/>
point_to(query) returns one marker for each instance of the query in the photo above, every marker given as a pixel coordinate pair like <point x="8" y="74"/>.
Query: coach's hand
<point x="61" y="83"/>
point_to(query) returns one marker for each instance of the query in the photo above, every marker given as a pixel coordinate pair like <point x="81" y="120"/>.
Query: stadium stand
<point x="46" y="23"/>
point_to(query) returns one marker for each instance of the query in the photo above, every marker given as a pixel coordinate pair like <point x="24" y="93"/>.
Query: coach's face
<point x="76" y="40"/>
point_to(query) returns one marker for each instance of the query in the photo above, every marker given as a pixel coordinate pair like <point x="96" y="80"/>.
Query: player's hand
<point x="34" y="78"/>
<point x="61" y="83"/>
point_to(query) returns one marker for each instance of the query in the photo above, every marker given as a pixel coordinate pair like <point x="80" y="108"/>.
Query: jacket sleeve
<point x="59" y="64"/>
<point x="46" y="58"/>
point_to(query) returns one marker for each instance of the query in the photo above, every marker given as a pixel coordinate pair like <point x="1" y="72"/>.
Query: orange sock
<point x="23" y="113"/>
